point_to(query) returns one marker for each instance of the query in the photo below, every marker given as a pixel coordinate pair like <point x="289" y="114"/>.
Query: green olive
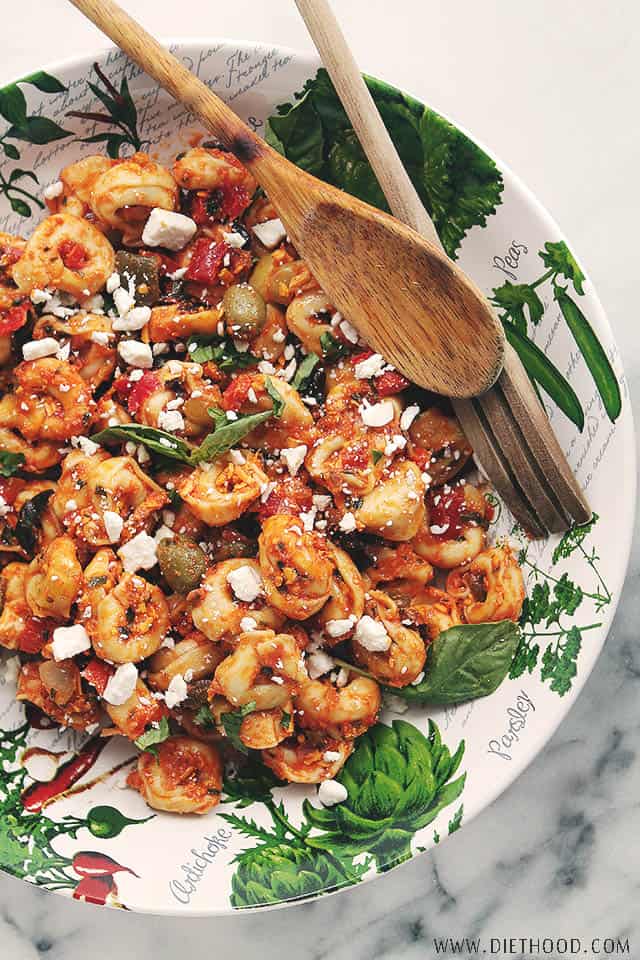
<point x="244" y="311"/>
<point x="182" y="562"/>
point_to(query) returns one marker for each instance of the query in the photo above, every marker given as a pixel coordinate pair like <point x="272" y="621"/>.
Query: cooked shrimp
<point x="222" y="491"/>
<point x="78" y="180"/>
<point x="297" y="566"/>
<point x="265" y="668"/>
<point x="65" y="253"/>
<point x="491" y="588"/>
<point x="54" y="580"/>
<point x="93" y="349"/>
<point x="51" y="401"/>
<point x="218" y="612"/>
<point x="185" y="776"/>
<point x="56" y="689"/>
<point x="130" y="622"/>
<point x="208" y="169"/>
<point x="339" y="712"/>
<point x="302" y="760"/>
<point x="403" y="659"/>
<point x="434" y="609"/>
<point x="461" y="536"/>
<point x="123" y="196"/>
<point x="195" y="657"/>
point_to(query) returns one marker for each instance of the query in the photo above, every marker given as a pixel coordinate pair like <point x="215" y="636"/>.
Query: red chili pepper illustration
<point x="37" y="796"/>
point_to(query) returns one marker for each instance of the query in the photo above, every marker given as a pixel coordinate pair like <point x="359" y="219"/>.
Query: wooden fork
<point x="507" y="426"/>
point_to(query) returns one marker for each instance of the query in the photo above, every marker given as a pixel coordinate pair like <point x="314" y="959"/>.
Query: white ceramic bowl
<point x="198" y="865"/>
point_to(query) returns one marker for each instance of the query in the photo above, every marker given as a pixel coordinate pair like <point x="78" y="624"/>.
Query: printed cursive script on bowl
<point x="517" y="720"/>
<point x="193" y="871"/>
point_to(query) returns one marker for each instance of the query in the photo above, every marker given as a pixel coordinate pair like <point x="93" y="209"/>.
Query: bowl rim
<point x="312" y="60"/>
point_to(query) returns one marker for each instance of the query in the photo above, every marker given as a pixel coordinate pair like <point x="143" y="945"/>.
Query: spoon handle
<point x="187" y="89"/>
<point x="401" y="195"/>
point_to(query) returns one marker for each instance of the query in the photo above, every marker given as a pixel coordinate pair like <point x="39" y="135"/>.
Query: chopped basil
<point x="10" y="463"/>
<point x="224" y="354"/>
<point x="332" y="349"/>
<point x="154" y="735"/>
<point x="304" y="371"/>
<point x="232" y="722"/>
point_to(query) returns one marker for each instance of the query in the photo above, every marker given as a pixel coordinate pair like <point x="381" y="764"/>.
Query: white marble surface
<point x="552" y="88"/>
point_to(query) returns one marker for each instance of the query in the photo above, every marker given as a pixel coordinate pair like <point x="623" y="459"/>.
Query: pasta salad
<point x="226" y="524"/>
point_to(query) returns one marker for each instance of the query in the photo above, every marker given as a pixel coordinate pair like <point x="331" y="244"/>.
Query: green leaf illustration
<point x="38" y="130"/>
<point x="465" y="662"/>
<point x="10" y="151"/>
<point x="44" y="82"/>
<point x="558" y="257"/>
<point x="13" y="104"/>
<point x="458" y="183"/>
<point x="573" y="539"/>
<point x="512" y="297"/>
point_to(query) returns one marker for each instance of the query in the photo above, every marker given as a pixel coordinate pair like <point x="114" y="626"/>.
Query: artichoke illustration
<point x="288" y="871"/>
<point x="398" y="781"/>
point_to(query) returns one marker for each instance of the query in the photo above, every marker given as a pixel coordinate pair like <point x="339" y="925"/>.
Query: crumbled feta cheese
<point x="139" y="553"/>
<point x="177" y="274"/>
<point x="123" y="301"/>
<point x="279" y="336"/>
<point x="245" y="582"/>
<point x="377" y="414"/>
<point x="35" y="349"/>
<point x="53" y="190"/>
<point x="289" y="351"/>
<point x="94" y="304"/>
<point x="331" y="792"/>
<point x="121" y="684"/>
<point x="68" y="641"/>
<point x="265" y="367"/>
<point x="395" y="443"/>
<point x="136" y="354"/>
<point x="294" y="457"/>
<point x="163" y="533"/>
<point x="319" y="663"/>
<point x="10" y="670"/>
<point x="308" y="518"/>
<point x="159" y="348"/>
<point x="232" y="415"/>
<point x="170" y="420"/>
<point x="136" y="375"/>
<point x="40" y="296"/>
<point x="100" y="337"/>
<point x="347" y="522"/>
<point x="321" y="501"/>
<point x="270" y="233"/>
<point x="176" y="692"/>
<point x="234" y="239"/>
<point x="4" y="507"/>
<point x="165" y="228"/>
<point x="331" y="756"/>
<point x="338" y="628"/>
<point x="113" y="524"/>
<point x="247" y="624"/>
<point x="370" y="367"/>
<point x="71" y="505"/>
<point x="135" y="319"/>
<point x="113" y="283"/>
<point x="371" y="635"/>
<point x="237" y="457"/>
<point x="175" y="404"/>
<point x="408" y="416"/>
<point x="168" y="517"/>
<point x="438" y="529"/>
<point x="87" y="446"/>
<point x="349" y="331"/>
<point x="418" y="679"/>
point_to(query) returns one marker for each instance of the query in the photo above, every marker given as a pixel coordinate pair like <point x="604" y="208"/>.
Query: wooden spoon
<point x="507" y="426"/>
<point x="403" y="294"/>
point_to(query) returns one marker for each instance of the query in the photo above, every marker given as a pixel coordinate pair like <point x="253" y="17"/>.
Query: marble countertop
<point x="552" y="88"/>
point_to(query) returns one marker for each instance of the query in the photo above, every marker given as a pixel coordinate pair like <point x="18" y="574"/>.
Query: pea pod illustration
<point x="593" y="352"/>
<point x="106" y="822"/>
<point x="543" y="372"/>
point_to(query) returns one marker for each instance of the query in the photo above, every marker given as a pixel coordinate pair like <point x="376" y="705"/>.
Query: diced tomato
<point x="10" y="488"/>
<point x="359" y="357"/>
<point x="445" y="512"/>
<point x="235" y="200"/>
<point x="10" y="255"/>
<point x="35" y="635"/>
<point x="357" y="456"/>
<point x="290" y="495"/>
<point x="14" y="317"/>
<point x="237" y="392"/>
<point x="206" y="260"/>
<point x="421" y="457"/>
<point x="97" y="673"/>
<point x="74" y="255"/>
<point x="135" y="392"/>
<point x="390" y="382"/>
<point x="224" y="203"/>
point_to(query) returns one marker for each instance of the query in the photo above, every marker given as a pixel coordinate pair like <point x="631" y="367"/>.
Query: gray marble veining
<point x="557" y="855"/>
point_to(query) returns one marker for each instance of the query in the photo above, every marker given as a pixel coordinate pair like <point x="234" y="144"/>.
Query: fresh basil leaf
<point x="29" y="520"/>
<point x="332" y="349"/>
<point x="232" y="721"/>
<point x="10" y="463"/>
<point x="218" y="416"/>
<point x="228" y="433"/>
<point x="376" y="456"/>
<point x="278" y="402"/>
<point x="465" y="662"/>
<point x="153" y="735"/>
<point x="160" y="441"/>
<point x="285" y="720"/>
<point x="204" y="717"/>
<point x="304" y="371"/>
<point x="202" y="349"/>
